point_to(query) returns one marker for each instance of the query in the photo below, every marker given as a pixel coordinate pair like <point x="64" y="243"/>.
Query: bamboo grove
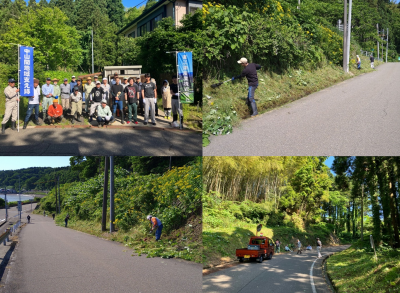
<point x="358" y="195"/>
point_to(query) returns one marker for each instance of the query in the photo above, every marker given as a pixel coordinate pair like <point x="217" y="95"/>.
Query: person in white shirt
<point x="33" y="104"/>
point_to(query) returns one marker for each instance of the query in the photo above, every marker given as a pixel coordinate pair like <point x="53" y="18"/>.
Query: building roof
<point x="145" y="13"/>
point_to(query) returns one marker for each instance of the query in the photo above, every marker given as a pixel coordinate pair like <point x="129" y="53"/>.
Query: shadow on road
<point x="93" y="141"/>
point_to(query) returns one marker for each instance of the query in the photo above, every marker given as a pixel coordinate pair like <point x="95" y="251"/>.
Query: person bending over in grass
<point x="250" y="72"/>
<point x="155" y="225"/>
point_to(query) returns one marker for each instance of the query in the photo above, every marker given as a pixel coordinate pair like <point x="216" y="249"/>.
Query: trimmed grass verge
<point x="355" y="269"/>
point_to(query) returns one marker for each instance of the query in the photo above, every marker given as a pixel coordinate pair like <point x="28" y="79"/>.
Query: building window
<point x="154" y="21"/>
<point x="132" y="34"/>
<point x="143" y="30"/>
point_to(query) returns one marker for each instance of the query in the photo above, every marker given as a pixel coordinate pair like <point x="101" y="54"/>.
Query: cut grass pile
<point x="356" y="270"/>
<point x="225" y="106"/>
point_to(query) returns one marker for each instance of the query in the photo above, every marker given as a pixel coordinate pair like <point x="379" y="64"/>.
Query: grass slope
<point x="355" y="269"/>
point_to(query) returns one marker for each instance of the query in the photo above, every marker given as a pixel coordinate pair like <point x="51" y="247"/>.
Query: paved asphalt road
<point x="94" y="141"/>
<point x="360" y="116"/>
<point x="13" y="216"/>
<point x="282" y="274"/>
<point x="55" y="259"/>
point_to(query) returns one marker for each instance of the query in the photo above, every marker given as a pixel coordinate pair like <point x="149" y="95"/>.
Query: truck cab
<point x="259" y="248"/>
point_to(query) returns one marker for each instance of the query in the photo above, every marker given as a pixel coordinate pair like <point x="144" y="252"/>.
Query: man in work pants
<point x="149" y="93"/>
<point x="250" y="72"/>
<point x="11" y="93"/>
<point x="65" y="93"/>
<point x="48" y="96"/>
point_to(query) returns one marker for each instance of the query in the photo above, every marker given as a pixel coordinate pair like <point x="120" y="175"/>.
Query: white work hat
<point x="242" y="61"/>
<point x="104" y="101"/>
<point x="105" y="78"/>
<point x="149" y="217"/>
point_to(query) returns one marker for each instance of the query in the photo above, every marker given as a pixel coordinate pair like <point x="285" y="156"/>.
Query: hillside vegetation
<point x="37" y="178"/>
<point x="173" y="196"/>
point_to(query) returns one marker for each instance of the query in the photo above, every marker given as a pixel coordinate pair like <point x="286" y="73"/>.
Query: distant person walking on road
<point x="319" y="245"/>
<point x="66" y="220"/>
<point x="250" y="72"/>
<point x="54" y="215"/>
<point x="44" y="213"/>
<point x="156" y="225"/>
<point x="371" y="58"/>
<point x="29" y="219"/>
<point x="278" y="246"/>
<point x="298" y="246"/>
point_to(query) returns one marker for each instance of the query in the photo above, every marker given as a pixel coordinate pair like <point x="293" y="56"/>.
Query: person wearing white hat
<point x="156" y="224"/>
<point x="106" y="87"/>
<point x="104" y="115"/>
<point x="250" y="72"/>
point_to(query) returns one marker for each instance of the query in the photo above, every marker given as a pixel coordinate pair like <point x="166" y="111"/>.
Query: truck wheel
<point x="260" y="259"/>
<point x="240" y="259"/>
<point x="270" y="255"/>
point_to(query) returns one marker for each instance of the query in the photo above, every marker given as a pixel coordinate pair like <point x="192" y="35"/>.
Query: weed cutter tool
<point x="220" y="83"/>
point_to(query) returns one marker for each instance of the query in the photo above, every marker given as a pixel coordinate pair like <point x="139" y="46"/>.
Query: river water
<point x="15" y="197"/>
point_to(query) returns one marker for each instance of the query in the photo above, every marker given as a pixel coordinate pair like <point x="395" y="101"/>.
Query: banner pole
<point x="19" y="86"/>
<point x="179" y="96"/>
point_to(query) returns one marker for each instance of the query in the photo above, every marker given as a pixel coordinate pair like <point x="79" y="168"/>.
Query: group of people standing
<point x="106" y="99"/>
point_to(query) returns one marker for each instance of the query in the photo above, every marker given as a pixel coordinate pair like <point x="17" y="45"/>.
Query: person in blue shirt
<point x="155" y="225"/>
<point x="48" y="96"/>
<point x="72" y="84"/>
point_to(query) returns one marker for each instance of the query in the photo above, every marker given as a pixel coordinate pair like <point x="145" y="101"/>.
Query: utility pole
<point x="387" y="42"/>
<point x="170" y="162"/>
<point x="112" y="217"/>
<point x="56" y="188"/>
<point x="104" y="214"/>
<point x="345" y="37"/>
<point x="92" y="52"/>
<point x="349" y="36"/>
<point x="59" y="195"/>
<point x="377" y="28"/>
<point x="362" y="212"/>
<point x="19" y="193"/>
<point x="298" y="7"/>
<point x="5" y="200"/>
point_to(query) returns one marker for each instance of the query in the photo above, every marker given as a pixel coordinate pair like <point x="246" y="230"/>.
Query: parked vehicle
<point x="259" y="248"/>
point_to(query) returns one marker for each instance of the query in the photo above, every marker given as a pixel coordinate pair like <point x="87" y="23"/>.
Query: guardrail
<point x="15" y="226"/>
<point x="4" y="236"/>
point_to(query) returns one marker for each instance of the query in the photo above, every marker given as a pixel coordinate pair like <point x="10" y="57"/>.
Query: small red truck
<point x="259" y="248"/>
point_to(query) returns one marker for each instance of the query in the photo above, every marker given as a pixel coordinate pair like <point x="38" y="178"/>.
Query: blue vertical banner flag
<point x="26" y="71"/>
<point x="185" y="77"/>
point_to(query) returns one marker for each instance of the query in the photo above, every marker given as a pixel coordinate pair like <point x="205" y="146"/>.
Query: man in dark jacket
<point x="250" y="72"/>
<point x="372" y="59"/>
<point x="117" y="94"/>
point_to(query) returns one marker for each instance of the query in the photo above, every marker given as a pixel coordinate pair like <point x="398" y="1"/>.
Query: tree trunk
<point x="362" y="212"/>
<point x="392" y="187"/>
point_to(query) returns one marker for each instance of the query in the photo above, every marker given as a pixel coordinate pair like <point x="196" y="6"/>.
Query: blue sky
<point x="15" y="163"/>
<point x="127" y="3"/>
